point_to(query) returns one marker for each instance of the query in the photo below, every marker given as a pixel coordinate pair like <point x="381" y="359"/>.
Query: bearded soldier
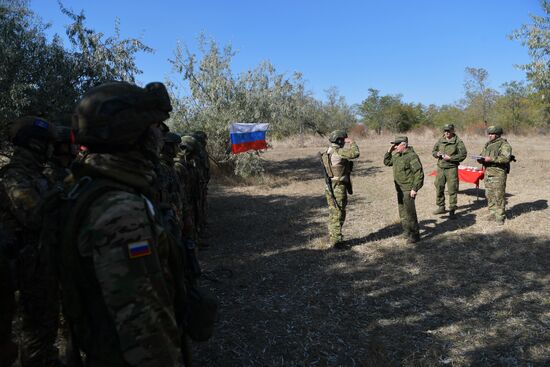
<point x="22" y="192"/>
<point x="120" y="272"/>
<point x="449" y="152"/>
<point x="496" y="158"/>
<point x="408" y="177"/>
<point x="338" y="165"/>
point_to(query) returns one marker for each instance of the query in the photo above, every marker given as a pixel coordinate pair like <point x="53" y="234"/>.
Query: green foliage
<point x="249" y="164"/>
<point x="536" y="37"/>
<point x="207" y="95"/>
<point x="479" y="98"/>
<point x="43" y="77"/>
<point x="390" y="113"/>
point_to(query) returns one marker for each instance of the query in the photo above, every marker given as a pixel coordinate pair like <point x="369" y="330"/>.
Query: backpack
<point x="64" y="211"/>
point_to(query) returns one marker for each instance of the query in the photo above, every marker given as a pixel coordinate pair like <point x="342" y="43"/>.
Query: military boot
<point x="452" y="214"/>
<point x="439" y="210"/>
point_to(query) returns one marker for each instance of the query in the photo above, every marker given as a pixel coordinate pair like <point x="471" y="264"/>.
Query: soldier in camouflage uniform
<point x="449" y="152"/>
<point x="497" y="155"/>
<point x="64" y="152"/>
<point x="187" y="168"/>
<point x="203" y="165"/>
<point x="122" y="275"/>
<point x="22" y="192"/>
<point x="339" y="162"/>
<point x="408" y="177"/>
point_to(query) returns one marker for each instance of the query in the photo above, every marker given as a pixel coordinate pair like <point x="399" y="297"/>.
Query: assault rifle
<point x="328" y="181"/>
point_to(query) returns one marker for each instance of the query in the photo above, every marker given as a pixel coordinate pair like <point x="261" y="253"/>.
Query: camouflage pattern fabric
<point x="23" y="189"/>
<point x="447" y="170"/>
<point x="130" y="257"/>
<point x="495" y="191"/>
<point x="337" y="215"/>
<point x="495" y="176"/>
<point x="408" y="175"/>
<point x="340" y="161"/>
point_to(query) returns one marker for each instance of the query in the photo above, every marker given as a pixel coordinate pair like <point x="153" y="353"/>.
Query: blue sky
<point x="417" y="48"/>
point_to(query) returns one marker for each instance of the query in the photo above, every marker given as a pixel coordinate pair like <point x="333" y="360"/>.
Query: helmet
<point x="31" y="127"/>
<point x="200" y="136"/>
<point x="188" y="143"/>
<point x="497" y="130"/>
<point x="449" y="127"/>
<point x="336" y="135"/>
<point x="171" y="137"/>
<point x="118" y="113"/>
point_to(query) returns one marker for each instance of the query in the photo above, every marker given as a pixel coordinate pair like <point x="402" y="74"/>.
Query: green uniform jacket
<point x="501" y="152"/>
<point x="407" y="169"/>
<point x="454" y="148"/>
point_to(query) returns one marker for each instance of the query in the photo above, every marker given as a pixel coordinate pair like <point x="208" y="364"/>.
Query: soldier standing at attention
<point x="120" y="272"/>
<point x="338" y="165"/>
<point x="449" y="152"/>
<point x="408" y="178"/>
<point x="496" y="158"/>
<point x="22" y="192"/>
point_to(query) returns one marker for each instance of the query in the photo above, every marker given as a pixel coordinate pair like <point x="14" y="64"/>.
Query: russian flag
<point x="245" y="137"/>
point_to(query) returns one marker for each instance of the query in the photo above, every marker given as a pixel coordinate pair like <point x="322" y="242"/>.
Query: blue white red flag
<point x="245" y="137"/>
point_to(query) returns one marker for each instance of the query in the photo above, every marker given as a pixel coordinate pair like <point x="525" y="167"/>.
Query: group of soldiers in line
<point x="408" y="176"/>
<point x="107" y="235"/>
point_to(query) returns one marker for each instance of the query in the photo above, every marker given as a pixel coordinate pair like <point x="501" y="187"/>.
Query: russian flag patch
<point x="139" y="249"/>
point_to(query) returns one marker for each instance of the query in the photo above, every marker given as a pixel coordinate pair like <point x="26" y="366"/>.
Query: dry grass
<point x="468" y="294"/>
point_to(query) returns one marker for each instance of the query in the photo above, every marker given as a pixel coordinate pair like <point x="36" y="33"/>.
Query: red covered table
<point x="467" y="174"/>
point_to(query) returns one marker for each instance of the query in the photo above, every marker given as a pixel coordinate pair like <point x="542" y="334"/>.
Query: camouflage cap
<point x="400" y="139"/>
<point x="449" y="127"/>
<point x="31" y="127"/>
<point x="116" y="114"/>
<point x="497" y="130"/>
<point x="337" y="134"/>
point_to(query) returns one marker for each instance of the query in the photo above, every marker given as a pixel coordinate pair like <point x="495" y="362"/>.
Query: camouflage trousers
<point x="495" y="191"/>
<point x="407" y="212"/>
<point x="39" y="305"/>
<point x="447" y="176"/>
<point x="337" y="215"/>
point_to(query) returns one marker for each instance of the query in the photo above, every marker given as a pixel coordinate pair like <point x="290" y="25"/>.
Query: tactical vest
<point x="340" y="168"/>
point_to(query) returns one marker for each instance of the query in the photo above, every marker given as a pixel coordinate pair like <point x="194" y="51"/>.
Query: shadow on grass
<point x="478" y="192"/>
<point x="523" y="208"/>
<point x="310" y="168"/>
<point x="473" y="299"/>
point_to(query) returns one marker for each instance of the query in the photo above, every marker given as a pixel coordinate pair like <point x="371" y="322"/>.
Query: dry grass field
<point x="468" y="294"/>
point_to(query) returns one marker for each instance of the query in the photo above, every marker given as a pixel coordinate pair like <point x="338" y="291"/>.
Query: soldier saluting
<point x="338" y="166"/>
<point x="408" y="177"/>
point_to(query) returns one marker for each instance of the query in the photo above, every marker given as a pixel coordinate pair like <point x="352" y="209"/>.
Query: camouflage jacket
<point x="340" y="160"/>
<point x="454" y="148"/>
<point x="407" y="169"/>
<point x="129" y="256"/>
<point x="22" y="191"/>
<point x="501" y="153"/>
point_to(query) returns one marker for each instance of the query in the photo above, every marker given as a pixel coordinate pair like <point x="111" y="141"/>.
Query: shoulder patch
<point x="139" y="249"/>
